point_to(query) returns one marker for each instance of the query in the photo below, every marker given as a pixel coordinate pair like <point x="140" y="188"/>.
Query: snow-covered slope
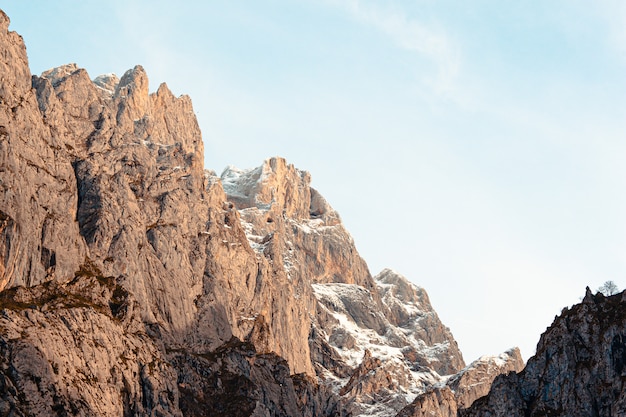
<point x="390" y="337"/>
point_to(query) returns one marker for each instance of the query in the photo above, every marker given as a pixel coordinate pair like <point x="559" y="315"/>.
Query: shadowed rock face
<point x="578" y="369"/>
<point x="134" y="282"/>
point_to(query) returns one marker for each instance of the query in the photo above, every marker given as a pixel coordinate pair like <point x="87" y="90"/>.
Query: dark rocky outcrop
<point x="578" y="370"/>
<point x="235" y="380"/>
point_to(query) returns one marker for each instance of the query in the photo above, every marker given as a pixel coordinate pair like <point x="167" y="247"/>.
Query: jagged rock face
<point x="578" y="369"/>
<point x="277" y="199"/>
<point x="410" y="310"/>
<point x="393" y="363"/>
<point x="235" y="381"/>
<point x="382" y="324"/>
<point x="437" y="402"/>
<point x="82" y="349"/>
<point x="475" y="380"/>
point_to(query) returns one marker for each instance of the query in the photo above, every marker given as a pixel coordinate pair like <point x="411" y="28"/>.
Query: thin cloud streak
<point x="431" y="43"/>
<point x="614" y="12"/>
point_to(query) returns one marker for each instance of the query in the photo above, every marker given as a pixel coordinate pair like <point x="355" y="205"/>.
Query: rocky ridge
<point x="135" y="282"/>
<point x="577" y="371"/>
<point x="579" y="368"/>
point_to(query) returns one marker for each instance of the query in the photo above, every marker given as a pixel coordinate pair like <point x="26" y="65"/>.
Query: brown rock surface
<point x="39" y="235"/>
<point x="80" y="349"/>
<point x="115" y="174"/>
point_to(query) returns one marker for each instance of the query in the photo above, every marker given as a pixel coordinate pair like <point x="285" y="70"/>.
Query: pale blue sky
<point x="477" y="147"/>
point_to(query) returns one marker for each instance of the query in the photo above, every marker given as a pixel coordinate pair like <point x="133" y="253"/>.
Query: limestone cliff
<point x="135" y="282"/>
<point x="80" y="349"/>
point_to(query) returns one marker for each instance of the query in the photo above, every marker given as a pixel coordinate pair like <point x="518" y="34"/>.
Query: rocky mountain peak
<point x="474" y="381"/>
<point x="58" y="74"/>
<point x="279" y="189"/>
<point x="390" y="335"/>
<point x="4" y="21"/>
<point x="132" y="94"/>
<point x="395" y="287"/>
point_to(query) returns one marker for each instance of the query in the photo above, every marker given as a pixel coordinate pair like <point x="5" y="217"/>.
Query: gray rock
<point x="463" y="388"/>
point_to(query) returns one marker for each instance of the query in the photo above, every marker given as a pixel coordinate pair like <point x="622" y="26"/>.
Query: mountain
<point x="135" y="282"/>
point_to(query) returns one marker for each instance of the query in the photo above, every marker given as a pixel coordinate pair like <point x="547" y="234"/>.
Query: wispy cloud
<point x="430" y="42"/>
<point x="613" y="12"/>
<point x="619" y="28"/>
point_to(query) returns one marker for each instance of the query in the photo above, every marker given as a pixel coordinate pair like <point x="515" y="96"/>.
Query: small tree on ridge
<point x="608" y="288"/>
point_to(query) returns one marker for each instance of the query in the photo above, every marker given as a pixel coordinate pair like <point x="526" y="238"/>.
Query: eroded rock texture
<point x="103" y="176"/>
<point x="80" y="349"/>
